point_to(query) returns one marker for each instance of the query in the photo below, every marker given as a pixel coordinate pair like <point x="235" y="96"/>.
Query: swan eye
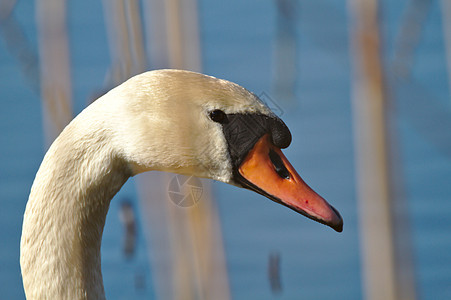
<point x="218" y="116"/>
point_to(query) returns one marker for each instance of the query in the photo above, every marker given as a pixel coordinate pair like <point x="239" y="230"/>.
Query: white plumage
<point x="155" y="121"/>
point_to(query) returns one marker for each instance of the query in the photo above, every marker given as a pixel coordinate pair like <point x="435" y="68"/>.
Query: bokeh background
<point x="303" y="58"/>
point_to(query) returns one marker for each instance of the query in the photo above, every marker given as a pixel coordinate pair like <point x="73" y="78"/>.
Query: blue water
<point x="238" y="43"/>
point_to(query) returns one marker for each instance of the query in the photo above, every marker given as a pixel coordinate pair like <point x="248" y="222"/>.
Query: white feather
<point x="155" y="121"/>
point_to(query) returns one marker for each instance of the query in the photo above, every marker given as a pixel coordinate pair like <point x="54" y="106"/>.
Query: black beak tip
<point x="338" y="227"/>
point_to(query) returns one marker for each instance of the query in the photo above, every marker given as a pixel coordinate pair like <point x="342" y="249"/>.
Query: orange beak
<point x="270" y="173"/>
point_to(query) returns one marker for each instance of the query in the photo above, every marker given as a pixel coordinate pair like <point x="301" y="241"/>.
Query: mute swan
<point x="168" y="120"/>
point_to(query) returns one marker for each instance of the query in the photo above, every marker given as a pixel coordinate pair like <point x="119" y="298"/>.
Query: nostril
<point x="279" y="167"/>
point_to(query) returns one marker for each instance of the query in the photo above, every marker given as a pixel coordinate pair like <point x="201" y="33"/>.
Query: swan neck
<point x="65" y="216"/>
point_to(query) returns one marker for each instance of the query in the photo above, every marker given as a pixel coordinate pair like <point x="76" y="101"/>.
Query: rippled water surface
<point x="239" y="43"/>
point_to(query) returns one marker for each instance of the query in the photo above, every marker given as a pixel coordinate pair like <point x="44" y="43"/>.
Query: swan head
<point x="189" y="123"/>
